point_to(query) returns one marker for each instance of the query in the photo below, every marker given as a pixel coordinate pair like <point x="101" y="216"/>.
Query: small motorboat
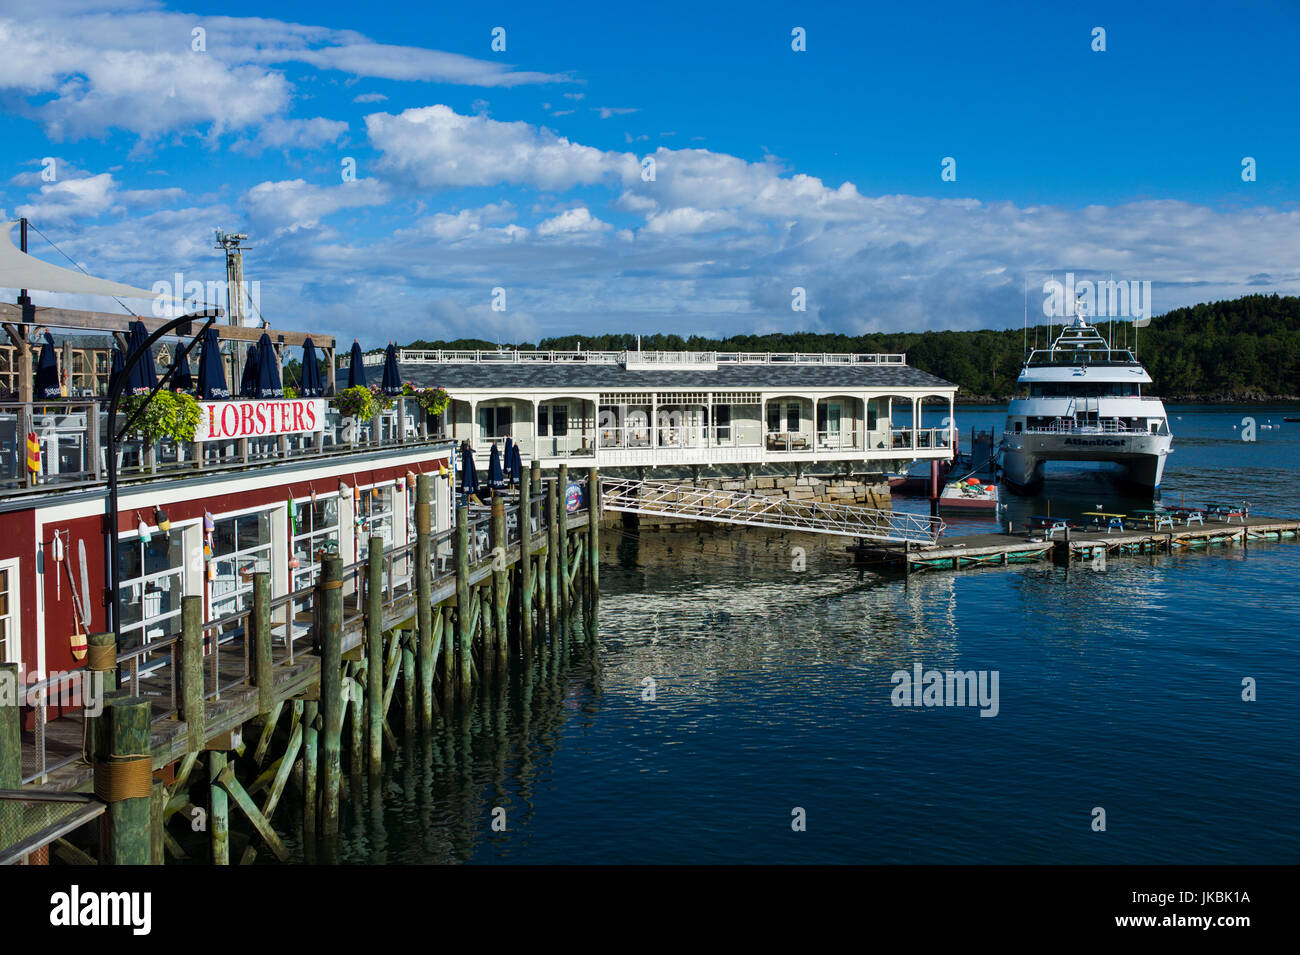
<point x="970" y="493"/>
<point x="1292" y="420"/>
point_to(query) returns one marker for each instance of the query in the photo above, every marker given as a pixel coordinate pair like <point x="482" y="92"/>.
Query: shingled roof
<point x="614" y="377"/>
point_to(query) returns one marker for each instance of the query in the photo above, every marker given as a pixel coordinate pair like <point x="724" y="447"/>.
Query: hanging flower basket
<point x="432" y="401"/>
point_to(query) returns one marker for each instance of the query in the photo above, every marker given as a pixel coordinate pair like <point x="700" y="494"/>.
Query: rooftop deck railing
<point x="73" y="437"/>
<point x="425" y="356"/>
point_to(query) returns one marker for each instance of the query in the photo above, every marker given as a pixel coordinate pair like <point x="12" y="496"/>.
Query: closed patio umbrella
<point x="356" y="368"/>
<point x="311" y="381"/>
<point x="114" y="367"/>
<point x="142" y="376"/>
<point x="468" y="472"/>
<point x="507" y="459"/>
<point x="392" y="382"/>
<point x="516" y="467"/>
<point x="212" y="374"/>
<point x="267" y="383"/>
<point x="496" y="478"/>
<point x="181" y="379"/>
<point x="248" y="380"/>
<point x="47" y="371"/>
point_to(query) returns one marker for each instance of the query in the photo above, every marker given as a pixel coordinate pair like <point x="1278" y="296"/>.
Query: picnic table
<point x="1188" y="514"/>
<point x="1051" y="524"/>
<point x="1112" y="520"/>
<point x="1157" y="517"/>
<point x="1228" y="511"/>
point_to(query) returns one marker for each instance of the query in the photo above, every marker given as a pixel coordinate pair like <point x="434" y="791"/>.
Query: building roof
<point x="614" y="377"/>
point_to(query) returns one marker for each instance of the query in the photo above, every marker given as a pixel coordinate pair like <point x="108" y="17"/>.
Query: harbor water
<point x="742" y="682"/>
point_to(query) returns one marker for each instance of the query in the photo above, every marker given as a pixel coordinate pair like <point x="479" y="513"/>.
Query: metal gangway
<point x="665" y="499"/>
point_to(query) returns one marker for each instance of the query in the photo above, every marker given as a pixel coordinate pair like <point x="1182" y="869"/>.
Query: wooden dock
<point x="431" y="626"/>
<point x="1001" y="548"/>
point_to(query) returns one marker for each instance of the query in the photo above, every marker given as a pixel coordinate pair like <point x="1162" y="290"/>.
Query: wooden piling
<point x="562" y="517"/>
<point x="375" y="654"/>
<point x="218" y="810"/>
<point x="460" y="550"/>
<point x="101" y="659"/>
<point x="593" y="541"/>
<point x="526" y="492"/>
<point x="553" y="505"/>
<point x="330" y="596"/>
<point x="124" y="780"/>
<point x="501" y="574"/>
<point x="408" y="688"/>
<point x="423" y="595"/>
<point x="310" y="767"/>
<point x="260" y="618"/>
<point x="157" y="823"/>
<point x="192" y="707"/>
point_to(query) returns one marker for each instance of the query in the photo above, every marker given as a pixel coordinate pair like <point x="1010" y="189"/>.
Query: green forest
<point x="1246" y="348"/>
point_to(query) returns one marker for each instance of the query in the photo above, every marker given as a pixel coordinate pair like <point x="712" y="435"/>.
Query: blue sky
<point x="480" y="169"/>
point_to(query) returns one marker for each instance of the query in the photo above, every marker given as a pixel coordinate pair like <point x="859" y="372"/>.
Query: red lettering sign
<point x="231" y="420"/>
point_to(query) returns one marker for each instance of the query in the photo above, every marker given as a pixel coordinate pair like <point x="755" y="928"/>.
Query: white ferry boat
<point x="1085" y="403"/>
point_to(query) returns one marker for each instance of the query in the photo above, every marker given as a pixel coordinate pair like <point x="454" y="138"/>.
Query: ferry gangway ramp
<point x="692" y="502"/>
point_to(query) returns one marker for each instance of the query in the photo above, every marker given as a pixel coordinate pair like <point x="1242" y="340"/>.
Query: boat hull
<point x="1142" y="456"/>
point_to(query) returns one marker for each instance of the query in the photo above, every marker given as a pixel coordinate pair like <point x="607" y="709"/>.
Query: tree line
<point x="1244" y="348"/>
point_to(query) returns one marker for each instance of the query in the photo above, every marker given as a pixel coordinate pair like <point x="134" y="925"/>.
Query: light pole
<point x="182" y="326"/>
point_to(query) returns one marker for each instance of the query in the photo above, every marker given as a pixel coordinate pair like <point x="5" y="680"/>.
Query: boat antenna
<point x="1025" y="344"/>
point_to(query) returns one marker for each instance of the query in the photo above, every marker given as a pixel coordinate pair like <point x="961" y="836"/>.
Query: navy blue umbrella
<point x="496" y="478"/>
<point x="181" y="379"/>
<point x="468" y="472"/>
<point x="212" y="374"/>
<point x="516" y="467"/>
<point x="114" y="367"/>
<point x="47" y="371"/>
<point x="311" y="386"/>
<point x="392" y="383"/>
<point x="507" y="460"/>
<point x="357" y="369"/>
<point x="142" y="376"/>
<point x="267" y="382"/>
<point x="248" y="380"/>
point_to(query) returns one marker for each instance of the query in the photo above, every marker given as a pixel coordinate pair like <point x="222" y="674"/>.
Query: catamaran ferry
<point x="1085" y="403"/>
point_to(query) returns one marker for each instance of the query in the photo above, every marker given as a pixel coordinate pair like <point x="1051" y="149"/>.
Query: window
<point x="241" y="546"/>
<point x="374" y="516"/>
<point x="9" y="616"/>
<point x="152" y="583"/>
<point x="774" y="416"/>
<point x="792" y="416"/>
<point x="495" y="422"/>
<point x="543" y="417"/>
<point x="722" y="419"/>
<point x="873" y="412"/>
<point x="560" y="421"/>
<point x="317" y="532"/>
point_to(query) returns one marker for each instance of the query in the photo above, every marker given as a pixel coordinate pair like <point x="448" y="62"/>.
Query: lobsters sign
<point x="227" y="420"/>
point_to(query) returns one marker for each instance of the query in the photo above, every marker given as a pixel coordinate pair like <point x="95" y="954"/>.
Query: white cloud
<point x="293" y="204"/>
<point x="607" y="111"/>
<point x="370" y="98"/>
<point x="278" y="133"/>
<point x="435" y="146"/>
<point x="577" y="221"/>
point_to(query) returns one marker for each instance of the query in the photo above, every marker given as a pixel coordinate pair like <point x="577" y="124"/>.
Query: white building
<point x="653" y="409"/>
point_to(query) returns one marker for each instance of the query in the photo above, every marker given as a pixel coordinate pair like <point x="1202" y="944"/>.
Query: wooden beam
<point x="70" y="318"/>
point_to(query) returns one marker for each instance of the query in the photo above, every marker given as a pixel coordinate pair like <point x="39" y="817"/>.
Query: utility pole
<point x="229" y="242"/>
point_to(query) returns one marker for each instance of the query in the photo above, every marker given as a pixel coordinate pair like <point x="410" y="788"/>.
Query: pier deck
<point x="1023" y="547"/>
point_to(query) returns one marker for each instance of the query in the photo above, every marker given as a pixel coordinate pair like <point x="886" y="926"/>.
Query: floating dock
<point x="1026" y="547"/>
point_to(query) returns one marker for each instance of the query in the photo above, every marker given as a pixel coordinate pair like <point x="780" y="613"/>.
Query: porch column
<point x="916" y="420"/>
<point x="654" y="419"/>
<point x="537" y="438"/>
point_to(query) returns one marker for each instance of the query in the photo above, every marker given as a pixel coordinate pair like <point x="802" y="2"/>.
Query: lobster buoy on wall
<point x="33" y="453"/>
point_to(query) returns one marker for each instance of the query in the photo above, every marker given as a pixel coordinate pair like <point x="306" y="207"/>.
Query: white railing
<point x="439" y="356"/>
<point x="1103" y="426"/>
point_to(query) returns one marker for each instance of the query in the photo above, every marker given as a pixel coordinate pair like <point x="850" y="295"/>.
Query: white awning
<point x="20" y="270"/>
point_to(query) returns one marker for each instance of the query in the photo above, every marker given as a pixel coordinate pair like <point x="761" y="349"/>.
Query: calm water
<point x="1119" y="689"/>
